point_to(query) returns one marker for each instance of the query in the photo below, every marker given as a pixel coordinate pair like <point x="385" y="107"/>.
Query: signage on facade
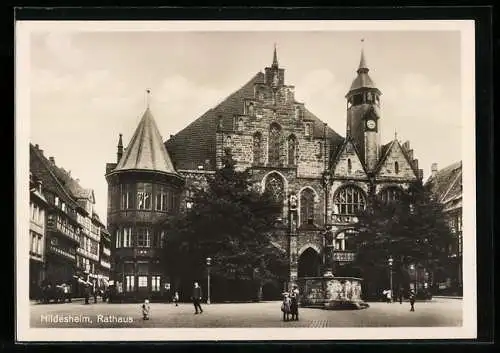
<point x="343" y="256"/>
<point x="344" y="219"/>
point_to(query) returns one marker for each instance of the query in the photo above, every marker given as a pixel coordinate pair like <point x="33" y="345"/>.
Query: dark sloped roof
<point x="386" y="149"/>
<point x="447" y="183"/>
<point x="146" y="150"/>
<point x="196" y="143"/>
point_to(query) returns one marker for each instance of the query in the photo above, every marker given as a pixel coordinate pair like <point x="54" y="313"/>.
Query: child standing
<point x="145" y="310"/>
<point x="176" y="298"/>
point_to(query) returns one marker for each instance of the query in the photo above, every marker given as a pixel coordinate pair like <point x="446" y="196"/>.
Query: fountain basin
<point x="331" y="293"/>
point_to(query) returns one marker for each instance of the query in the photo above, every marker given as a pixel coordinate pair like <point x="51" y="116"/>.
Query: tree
<point x="412" y="230"/>
<point x="232" y="224"/>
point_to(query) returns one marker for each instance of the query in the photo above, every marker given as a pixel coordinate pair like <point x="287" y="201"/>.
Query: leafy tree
<point x="232" y="224"/>
<point x="411" y="230"/>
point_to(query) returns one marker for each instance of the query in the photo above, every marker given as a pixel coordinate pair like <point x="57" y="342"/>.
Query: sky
<point x="87" y="87"/>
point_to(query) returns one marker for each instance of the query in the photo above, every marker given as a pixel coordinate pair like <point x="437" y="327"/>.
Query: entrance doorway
<point x="309" y="263"/>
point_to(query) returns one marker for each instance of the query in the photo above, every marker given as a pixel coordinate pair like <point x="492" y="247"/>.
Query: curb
<point x="446" y="297"/>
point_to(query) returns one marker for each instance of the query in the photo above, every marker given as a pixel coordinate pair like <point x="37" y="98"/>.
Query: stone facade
<point x="302" y="160"/>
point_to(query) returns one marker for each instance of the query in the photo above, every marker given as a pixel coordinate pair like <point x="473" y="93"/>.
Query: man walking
<point x="196" y="297"/>
<point x="412" y="300"/>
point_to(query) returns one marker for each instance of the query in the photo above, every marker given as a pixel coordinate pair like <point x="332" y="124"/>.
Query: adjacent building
<point x="38" y="212"/>
<point x="71" y="239"/>
<point x="446" y="185"/>
<point x="143" y="192"/>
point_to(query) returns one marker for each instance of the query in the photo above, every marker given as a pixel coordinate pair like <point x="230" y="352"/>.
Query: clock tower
<point x="363" y="115"/>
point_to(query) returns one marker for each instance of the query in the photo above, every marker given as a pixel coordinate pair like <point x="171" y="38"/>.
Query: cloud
<point x="60" y="46"/>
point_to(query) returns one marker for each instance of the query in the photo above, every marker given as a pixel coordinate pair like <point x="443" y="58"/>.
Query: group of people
<point x="60" y="292"/>
<point x="290" y="305"/>
<point x="388" y="295"/>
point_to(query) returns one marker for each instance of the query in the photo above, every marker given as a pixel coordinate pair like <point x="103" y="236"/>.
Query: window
<point x="297" y="113"/>
<point x="127" y="237"/>
<point x="240" y="125"/>
<point x="292" y="147"/>
<point x="126" y="197"/>
<point x="142" y="267"/>
<point x="306" y="206"/>
<point x="257" y="148"/>
<point x="340" y="242"/>
<point x="143" y="281"/>
<point x="143" y="237"/>
<point x="159" y="239"/>
<point x="155" y="283"/>
<point x="349" y="166"/>
<point x="307" y="129"/>
<point x="251" y="110"/>
<point x="129" y="283"/>
<point x="144" y="191"/>
<point x="161" y="198"/>
<point x="275" y="186"/>
<point x="396" y="167"/>
<point x="349" y="200"/>
<point x="391" y="194"/>
<point x="118" y="238"/>
<point x="274" y="152"/>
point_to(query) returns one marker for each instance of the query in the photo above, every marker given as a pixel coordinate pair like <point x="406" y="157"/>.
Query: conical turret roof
<point x="146" y="150"/>
<point x="363" y="80"/>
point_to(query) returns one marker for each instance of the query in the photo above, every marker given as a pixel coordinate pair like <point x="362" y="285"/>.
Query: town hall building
<point x="321" y="178"/>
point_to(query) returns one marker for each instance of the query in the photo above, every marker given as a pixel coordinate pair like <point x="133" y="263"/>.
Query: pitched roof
<point x="446" y="184"/>
<point x="362" y="80"/>
<point x="196" y="143"/>
<point x="386" y="149"/>
<point x="146" y="150"/>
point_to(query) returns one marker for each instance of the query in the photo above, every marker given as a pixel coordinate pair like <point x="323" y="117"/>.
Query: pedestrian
<point x="294" y="307"/>
<point x="67" y="292"/>
<point x="196" y="297"/>
<point x="412" y="300"/>
<point x="400" y="295"/>
<point x="146" y="309"/>
<point x="176" y="298"/>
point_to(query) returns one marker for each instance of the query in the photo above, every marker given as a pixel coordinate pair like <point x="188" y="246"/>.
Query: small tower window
<point x="251" y="111"/>
<point x="396" y="167"/>
<point x="307" y="130"/>
<point x="240" y="124"/>
<point x="349" y="166"/>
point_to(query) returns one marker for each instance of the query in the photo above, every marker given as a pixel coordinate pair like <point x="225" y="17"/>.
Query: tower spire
<point x="362" y="62"/>
<point x="275" y="57"/>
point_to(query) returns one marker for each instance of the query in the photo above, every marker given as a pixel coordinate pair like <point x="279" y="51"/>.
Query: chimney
<point x="52" y="160"/>
<point x="37" y="147"/>
<point x="39" y="185"/>
<point x="420" y="173"/>
<point x="434" y="169"/>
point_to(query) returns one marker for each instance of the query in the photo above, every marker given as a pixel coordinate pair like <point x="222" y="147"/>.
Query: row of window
<point x="37" y="214"/>
<point x="89" y="245"/>
<point x="349" y="200"/>
<point x="153" y="282"/>
<point x="144" y="196"/>
<point x="64" y="225"/>
<point x="36" y="244"/>
<point x="85" y="264"/>
<point x="143" y="237"/>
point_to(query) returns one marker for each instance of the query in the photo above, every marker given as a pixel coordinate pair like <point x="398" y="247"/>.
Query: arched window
<point x="257" y="148"/>
<point x="251" y="111"/>
<point x="349" y="166"/>
<point x="292" y="149"/>
<point x="276" y="187"/>
<point x="307" y="206"/>
<point x="396" y="167"/>
<point x="391" y="194"/>
<point x="241" y="125"/>
<point x="349" y="200"/>
<point x="274" y="144"/>
<point x="342" y="239"/>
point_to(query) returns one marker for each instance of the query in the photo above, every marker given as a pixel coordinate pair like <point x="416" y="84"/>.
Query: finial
<point x="395" y="135"/>
<point x="148" y="95"/>
<point x="362" y="62"/>
<point x="120" y="142"/>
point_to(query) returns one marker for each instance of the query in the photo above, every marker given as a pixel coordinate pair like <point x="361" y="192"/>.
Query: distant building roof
<point x="446" y="184"/>
<point x="146" y="150"/>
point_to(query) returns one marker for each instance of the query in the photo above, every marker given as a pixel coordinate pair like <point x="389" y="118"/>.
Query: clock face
<point x="371" y="124"/>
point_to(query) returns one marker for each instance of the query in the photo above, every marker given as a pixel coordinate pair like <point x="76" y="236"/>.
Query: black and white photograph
<point x="245" y="180"/>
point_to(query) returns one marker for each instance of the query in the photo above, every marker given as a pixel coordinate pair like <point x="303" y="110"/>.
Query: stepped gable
<point x="447" y="183"/>
<point x="196" y="143"/>
<point x="146" y="150"/>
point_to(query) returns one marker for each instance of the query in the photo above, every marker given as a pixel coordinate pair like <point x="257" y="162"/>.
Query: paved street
<point x="438" y="312"/>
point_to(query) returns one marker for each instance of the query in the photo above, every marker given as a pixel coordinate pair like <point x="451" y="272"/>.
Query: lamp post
<point x="413" y="267"/>
<point x="209" y="262"/>
<point x="390" y="260"/>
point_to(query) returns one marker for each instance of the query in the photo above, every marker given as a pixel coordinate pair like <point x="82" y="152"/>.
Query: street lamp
<point x="390" y="261"/>
<point x="209" y="262"/>
<point x="413" y="267"/>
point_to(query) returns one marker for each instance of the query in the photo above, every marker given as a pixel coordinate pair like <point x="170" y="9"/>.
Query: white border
<point x="22" y="125"/>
